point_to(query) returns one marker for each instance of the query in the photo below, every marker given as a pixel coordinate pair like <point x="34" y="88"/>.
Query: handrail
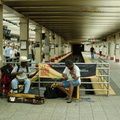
<point x="104" y="74"/>
<point x="103" y="68"/>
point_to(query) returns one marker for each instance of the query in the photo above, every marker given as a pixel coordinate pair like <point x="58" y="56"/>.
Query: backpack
<point x="50" y="93"/>
<point x="7" y="77"/>
<point x="17" y="54"/>
<point x="6" y="71"/>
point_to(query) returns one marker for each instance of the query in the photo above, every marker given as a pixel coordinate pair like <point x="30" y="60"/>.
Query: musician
<point x="71" y="76"/>
<point x="21" y="76"/>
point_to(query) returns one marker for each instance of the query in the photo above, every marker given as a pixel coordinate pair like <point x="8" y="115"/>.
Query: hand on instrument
<point x="20" y="73"/>
<point x="65" y="76"/>
<point x="37" y="69"/>
<point x="72" y="72"/>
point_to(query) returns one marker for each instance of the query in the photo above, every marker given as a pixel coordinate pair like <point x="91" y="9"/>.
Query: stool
<point x="76" y="93"/>
<point x="20" y="88"/>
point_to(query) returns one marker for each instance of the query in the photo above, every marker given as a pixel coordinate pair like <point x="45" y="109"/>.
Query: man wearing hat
<point x="20" y="72"/>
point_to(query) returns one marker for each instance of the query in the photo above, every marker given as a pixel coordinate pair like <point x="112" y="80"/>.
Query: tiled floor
<point x="89" y="107"/>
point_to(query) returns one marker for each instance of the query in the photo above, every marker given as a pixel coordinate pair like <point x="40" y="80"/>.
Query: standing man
<point x="30" y="51"/>
<point x="33" y="52"/>
<point x="100" y="50"/>
<point x="7" y="50"/>
<point x="71" y="76"/>
<point x="92" y="52"/>
<point x="30" y="54"/>
<point x="13" y="51"/>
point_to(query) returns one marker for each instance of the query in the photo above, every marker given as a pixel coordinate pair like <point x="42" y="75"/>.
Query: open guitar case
<point x="26" y="98"/>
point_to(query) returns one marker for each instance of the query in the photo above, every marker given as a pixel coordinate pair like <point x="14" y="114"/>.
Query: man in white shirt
<point x="22" y="72"/>
<point x="7" y="52"/>
<point x="100" y="50"/>
<point x="71" y="75"/>
<point x="13" y="51"/>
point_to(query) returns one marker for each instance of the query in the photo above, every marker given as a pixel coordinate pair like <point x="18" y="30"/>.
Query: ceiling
<point x="75" y="20"/>
<point x="11" y="20"/>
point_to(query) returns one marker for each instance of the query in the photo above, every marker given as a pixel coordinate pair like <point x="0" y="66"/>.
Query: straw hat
<point x="24" y="59"/>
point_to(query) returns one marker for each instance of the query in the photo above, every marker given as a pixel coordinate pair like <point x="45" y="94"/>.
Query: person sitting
<point x="71" y="76"/>
<point x="21" y="73"/>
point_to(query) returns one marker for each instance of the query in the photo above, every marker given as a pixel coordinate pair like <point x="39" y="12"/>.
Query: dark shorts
<point x="67" y="83"/>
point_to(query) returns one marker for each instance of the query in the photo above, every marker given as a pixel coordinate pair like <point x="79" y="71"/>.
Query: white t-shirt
<point x="77" y="71"/>
<point x="30" y="49"/>
<point x="12" y="53"/>
<point x="21" y="69"/>
<point x="100" y="48"/>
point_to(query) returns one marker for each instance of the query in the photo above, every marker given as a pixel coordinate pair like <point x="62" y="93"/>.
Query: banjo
<point x="21" y="77"/>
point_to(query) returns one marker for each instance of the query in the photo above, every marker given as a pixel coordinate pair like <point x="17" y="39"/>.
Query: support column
<point x="52" y="52"/>
<point x="104" y="50"/>
<point x="112" y="46"/>
<point x="38" y="31"/>
<point x="56" y="47"/>
<point x="47" y="47"/>
<point x="106" y="46"/>
<point x="65" y="48"/>
<point x="69" y="48"/>
<point x="117" y="49"/>
<point x="1" y="34"/>
<point x="60" y="46"/>
<point x="24" y="36"/>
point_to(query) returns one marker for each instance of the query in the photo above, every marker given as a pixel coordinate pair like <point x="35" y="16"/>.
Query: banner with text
<point x="55" y="70"/>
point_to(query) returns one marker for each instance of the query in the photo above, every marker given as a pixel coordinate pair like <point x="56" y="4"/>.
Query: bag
<point x="7" y="77"/>
<point x="17" y="54"/>
<point x="6" y="73"/>
<point x="60" y="93"/>
<point x="50" y="93"/>
<point x="34" y="90"/>
<point x="7" y="69"/>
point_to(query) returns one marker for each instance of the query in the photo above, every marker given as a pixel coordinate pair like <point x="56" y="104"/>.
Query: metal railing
<point x="102" y="76"/>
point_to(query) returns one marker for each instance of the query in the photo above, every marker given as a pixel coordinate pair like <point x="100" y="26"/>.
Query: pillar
<point x="59" y="47"/>
<point x="47" y="47"/>
<point x="62" y="47"/>
<point x="24" y="36"/>
<point x="106" y="45"/>
<point x="117" y="49"/>
<point x="112" y="46"/>
<point x="56" y="47"/>
<point x="52" y="52"/>
<point x="1" y="34"/>
<point x="38" y="32"/>
<point x="69" y="47"/>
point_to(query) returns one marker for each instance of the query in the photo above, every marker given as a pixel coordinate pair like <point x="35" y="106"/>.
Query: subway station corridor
<point x="89" y="107"/>
<point x="56" y="29"/>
